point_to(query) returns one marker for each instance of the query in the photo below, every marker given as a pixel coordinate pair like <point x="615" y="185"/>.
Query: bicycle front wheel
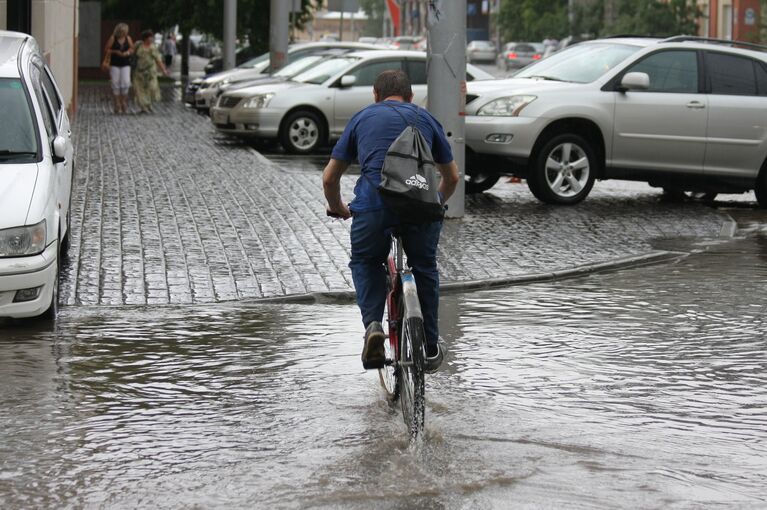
<point x="412" y="381"/>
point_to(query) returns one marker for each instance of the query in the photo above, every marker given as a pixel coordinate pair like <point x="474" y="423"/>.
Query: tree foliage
<point x="207" y="16"/>
<point x="652" y="17"/>
<point x="533" y="20"/>
<point x="375" y="9"/>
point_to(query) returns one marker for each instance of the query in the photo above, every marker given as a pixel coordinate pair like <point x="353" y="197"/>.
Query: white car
<point x="685" y="114"/>
<point x="313" y="107"/>
<point x="205" y="91"/>
<point x="36" y="155"/>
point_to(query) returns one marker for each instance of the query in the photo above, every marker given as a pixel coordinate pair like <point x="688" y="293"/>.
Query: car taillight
<point x="512" y="55"/>
<point x="537" y="56"/>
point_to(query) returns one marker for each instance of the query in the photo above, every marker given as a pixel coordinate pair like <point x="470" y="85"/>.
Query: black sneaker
<point x="373" y="355"/>
<point x="435" y="354"/>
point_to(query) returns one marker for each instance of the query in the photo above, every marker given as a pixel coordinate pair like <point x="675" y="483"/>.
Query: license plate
<point x="220" y="118"/>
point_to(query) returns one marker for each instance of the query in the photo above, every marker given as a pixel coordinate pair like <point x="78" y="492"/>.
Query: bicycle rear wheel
<point x="390" y="375"/>
<point x="412" y="381"/>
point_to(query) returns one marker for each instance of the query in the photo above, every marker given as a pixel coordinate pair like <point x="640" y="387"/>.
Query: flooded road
<point x="645" y="388"/>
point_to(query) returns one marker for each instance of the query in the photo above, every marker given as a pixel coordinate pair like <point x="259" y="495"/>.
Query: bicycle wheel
<point x="412" y="382"/>
<point x="389" y="374"/>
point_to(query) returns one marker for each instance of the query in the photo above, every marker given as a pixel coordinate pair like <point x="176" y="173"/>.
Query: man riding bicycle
<point x="367" y="138"/>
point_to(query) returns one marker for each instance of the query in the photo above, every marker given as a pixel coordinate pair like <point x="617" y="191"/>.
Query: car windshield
<point x="298" y="66"/>
<point x="17" y="138"/>
<point x="327" y="69"/>
<point x="483" y="44"/>
<point x="582" y="63"/>
<point x="254" y="62"/>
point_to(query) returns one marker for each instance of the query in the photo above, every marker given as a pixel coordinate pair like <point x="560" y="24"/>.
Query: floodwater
<point x="645" y="388"/>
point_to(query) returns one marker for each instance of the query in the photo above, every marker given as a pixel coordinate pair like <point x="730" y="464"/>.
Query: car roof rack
<point x="728" y="42"/>
<point x="632" y="36"/>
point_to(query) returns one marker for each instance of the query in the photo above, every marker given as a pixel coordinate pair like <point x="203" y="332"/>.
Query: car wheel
<point x="302" y="132"/>
<point x="564" y="170"/>
<point x="477" y="182"/>
<point x="53" y="307"/>
<point x="761" y="188"/>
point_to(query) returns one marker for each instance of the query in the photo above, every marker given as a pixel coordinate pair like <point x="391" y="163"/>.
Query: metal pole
<point x="230" y="32"/>
<point x="447" y="82"/>
<point x="341" y="26"/>
<point x="278" y="34"/>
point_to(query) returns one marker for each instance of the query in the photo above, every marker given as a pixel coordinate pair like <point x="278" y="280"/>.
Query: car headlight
<point x="509" y="106"/>
<point x="21" y="241"/>
<point x="259" y="101"/>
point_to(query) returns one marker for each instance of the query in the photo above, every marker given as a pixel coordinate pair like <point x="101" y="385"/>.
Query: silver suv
<point x="685" y="114"/>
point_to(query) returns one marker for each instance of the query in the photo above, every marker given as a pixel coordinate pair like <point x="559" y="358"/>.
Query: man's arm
<point x="331" y="185"/>
<point x="449" y="181"/>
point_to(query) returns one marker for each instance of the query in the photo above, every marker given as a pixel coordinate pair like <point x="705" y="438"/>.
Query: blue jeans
<point x="370" y="248"/>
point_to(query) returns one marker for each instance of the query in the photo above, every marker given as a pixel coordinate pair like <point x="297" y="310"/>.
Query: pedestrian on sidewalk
<point x="367" y="138"/>
<point x="145" y="83"/>
<point x="169" y="50"/>
<point x="117" y="53"/>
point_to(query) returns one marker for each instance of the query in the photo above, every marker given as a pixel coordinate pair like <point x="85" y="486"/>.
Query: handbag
<point x="105" y="63"/>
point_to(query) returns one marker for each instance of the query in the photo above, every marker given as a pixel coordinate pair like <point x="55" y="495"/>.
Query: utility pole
<point x="278" y="34"/>
<point x="230" y="32"/>
<point x="447" y="82"/>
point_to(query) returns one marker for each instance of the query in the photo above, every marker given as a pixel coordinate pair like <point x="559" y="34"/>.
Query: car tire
<point x="53" y="307"/>
<point x="563" y="170"/>
<point x="302" y="132"/>
<point x="477" y="182"/>
<point x="761" y="188"/>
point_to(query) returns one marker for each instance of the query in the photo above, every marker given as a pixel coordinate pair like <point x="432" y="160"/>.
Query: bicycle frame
<point x="402" y="290"/>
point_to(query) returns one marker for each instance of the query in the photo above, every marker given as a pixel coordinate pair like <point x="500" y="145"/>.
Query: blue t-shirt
<point x="368" y="136"/>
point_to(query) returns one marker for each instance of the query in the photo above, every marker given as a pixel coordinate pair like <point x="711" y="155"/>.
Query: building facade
<point x="54" y="23"/>
<point x="730" y="19"/>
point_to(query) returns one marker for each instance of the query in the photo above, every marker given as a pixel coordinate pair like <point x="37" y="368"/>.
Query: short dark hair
<point x="393" y="82"/>
<point x="146" y="34"/>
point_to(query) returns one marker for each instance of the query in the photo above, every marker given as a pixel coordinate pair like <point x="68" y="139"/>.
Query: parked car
<point x="241" y="55"/>
<point x="480" y="51"/>
<point x="518" y="55"/>
<point x="406" y="42"/>
<point x="313" y="107"/>
<point x="685" y="114"/>
<point x="36" y="156"/>
<point x="202" y="92"/>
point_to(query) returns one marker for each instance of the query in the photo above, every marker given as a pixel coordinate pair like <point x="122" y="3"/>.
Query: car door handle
<point x="696" y="105"/>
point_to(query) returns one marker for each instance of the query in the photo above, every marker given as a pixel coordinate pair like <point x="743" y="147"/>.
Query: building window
<point x="20" y="16"/>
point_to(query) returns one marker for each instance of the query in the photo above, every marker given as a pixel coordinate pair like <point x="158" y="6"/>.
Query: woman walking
<point x="117" y="52"/>
<point x="148" y="60"/>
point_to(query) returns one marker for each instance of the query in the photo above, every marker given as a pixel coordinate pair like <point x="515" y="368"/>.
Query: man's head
<point x="392" y="83"/>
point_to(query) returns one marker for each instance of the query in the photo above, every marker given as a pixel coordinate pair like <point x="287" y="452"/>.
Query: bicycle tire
<point x="390" y="374"/>
<point x="412" y="380"/>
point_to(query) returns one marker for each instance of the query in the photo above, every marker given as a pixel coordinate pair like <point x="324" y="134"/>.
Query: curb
<point x="346" y="296"/>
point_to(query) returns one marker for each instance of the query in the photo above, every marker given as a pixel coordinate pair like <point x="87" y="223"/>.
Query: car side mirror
<point x="635" y="81"/>
<point x="59" y="149"/>
<point x="348" y="80"/>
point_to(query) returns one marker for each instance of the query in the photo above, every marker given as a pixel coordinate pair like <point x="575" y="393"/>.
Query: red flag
<point x="394" y="13"/>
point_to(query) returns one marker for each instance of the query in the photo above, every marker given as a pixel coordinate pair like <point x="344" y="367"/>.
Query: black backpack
<point x="409" y="182"/>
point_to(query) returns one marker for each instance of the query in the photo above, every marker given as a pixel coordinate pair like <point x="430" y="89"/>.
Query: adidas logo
<point x="418" y="181"/>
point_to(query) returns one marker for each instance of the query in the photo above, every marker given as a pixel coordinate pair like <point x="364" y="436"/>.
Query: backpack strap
<point x="417" y="114"/>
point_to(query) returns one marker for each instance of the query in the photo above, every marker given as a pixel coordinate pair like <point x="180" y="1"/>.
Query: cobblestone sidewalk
<point x="165" y="210"/>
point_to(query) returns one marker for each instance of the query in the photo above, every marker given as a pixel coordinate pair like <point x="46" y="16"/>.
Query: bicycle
<point x="402" y="376"/>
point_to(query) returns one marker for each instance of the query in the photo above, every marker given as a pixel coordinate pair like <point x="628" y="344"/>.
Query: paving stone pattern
<point x="167" y="211"/>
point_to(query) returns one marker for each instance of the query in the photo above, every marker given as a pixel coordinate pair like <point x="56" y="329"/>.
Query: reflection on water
<point x="645" y="388"/>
